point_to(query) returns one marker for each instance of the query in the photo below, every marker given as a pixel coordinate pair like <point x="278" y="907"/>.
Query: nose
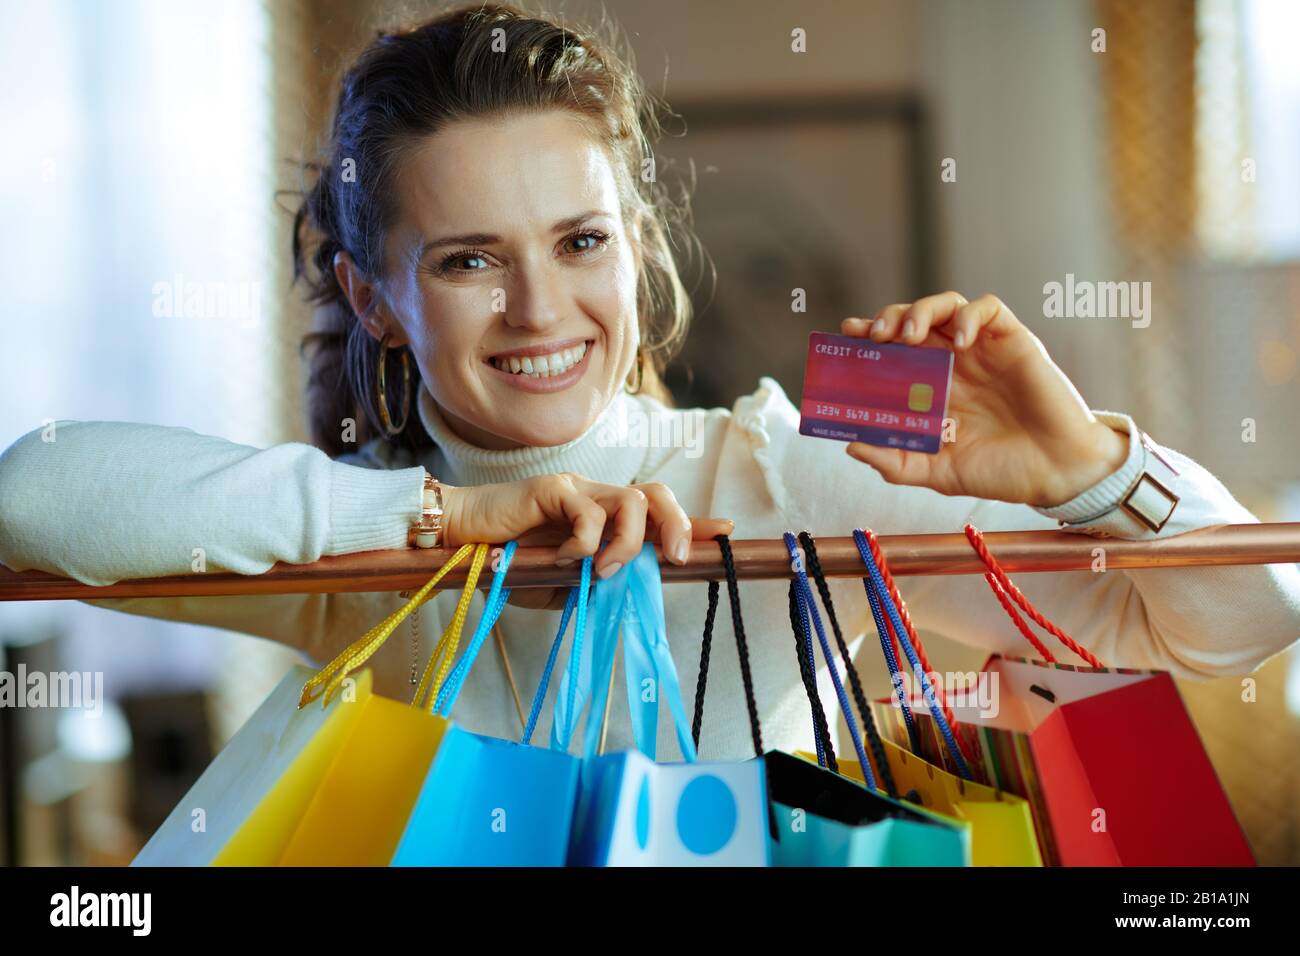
<point x="535" y="300"/>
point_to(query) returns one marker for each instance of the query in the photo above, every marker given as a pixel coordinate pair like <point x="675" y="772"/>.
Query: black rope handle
<point x="742" y="649"/>
<point x="810" y="681"/>
<point x="855" y="681"/>
<point x="705" y="645"/>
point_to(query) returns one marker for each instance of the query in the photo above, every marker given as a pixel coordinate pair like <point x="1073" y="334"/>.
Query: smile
<point x="541" y="366"/>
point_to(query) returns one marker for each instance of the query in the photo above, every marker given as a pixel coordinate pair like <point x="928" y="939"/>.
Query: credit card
<point x="881" y="393"/>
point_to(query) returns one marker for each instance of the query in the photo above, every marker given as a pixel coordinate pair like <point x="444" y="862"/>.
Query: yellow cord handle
<point x="435" y="672"/>
<point x="331" y="676"/>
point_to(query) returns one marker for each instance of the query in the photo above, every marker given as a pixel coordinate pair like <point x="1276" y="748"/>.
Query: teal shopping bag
<point x="491" y="802"/>
<point x="631" y="810"/>
<point x="820" y="818"/>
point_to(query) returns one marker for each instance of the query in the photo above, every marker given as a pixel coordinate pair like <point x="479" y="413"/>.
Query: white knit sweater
<point x="107" y="501"/>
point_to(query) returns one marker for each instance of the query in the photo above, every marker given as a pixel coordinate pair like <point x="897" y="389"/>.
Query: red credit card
<point x="895" y="396"/>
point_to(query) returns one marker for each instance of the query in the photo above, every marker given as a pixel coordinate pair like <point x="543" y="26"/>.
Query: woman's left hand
<point x="1023" y="432"/>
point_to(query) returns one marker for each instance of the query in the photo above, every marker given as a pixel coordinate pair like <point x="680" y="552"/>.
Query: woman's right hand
<point x="571" y="511"/>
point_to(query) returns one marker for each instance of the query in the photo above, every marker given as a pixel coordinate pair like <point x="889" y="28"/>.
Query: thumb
<point x="896" y="466"/>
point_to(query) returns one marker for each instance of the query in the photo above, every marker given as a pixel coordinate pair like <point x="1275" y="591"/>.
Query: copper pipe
<point x="756" y="559"/>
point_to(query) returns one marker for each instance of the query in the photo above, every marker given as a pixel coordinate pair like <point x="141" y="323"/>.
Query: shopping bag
<point x="492" y="802"/>
<point x="302" y="785"/>
<point x="1001" y="824"/>
<point x="1108" y="759"/>
<point x="632" y="810"/>
<point x="821" y="818"/>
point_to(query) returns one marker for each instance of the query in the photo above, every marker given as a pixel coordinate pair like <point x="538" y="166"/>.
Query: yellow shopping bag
<point x="320" y="783"/>
<point x="1001" y="825"/>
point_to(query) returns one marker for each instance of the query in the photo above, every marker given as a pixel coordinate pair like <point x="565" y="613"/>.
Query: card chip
<point x="920" y="397"/>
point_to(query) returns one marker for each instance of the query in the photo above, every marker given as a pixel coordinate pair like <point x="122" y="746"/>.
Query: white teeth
<point x="543" y="366"/>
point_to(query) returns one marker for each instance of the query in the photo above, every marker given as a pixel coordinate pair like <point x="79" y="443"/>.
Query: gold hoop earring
<point x="381" y="389"/>
<point x="640" y="356"/>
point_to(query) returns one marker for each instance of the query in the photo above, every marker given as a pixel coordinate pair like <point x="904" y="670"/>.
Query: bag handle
<point x="742" y="649"/>
<point x="941" y="714"/>
<point x="1003" y="587"/>
<point x="332" y="675"/>
<point x="578" y="597"/>
<point x="855" y="681"/>
<point x="803" y="654"/>
<point x="632" y="599"/>
<point x="439" y="663"/>
<point x="808" y="607"/>
<point x="492" y="608"/>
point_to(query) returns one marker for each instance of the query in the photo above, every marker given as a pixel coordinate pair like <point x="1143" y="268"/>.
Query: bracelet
<point x="427" y="531"/>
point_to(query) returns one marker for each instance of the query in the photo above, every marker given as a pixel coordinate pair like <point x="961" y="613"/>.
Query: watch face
<point x="1150" y="502"/>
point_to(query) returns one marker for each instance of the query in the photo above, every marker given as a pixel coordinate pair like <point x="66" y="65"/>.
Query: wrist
<point x="1103" y="455"/>
<point x="453" y="502"/>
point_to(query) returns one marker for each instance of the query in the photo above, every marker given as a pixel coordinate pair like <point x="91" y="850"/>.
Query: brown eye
<point x="586" y="242"/>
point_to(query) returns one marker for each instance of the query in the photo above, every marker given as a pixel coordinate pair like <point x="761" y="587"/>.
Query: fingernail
<point x="878" y="325"/>
<point x="908" y="328"/>
<point x="564" y="562"/>
<point x="609" y="569"/>
<point x="679" y="551"/>
<point x="959" y="339"/>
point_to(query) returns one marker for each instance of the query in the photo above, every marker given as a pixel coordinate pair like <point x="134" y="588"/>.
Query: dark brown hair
<point x="408" y="84"/>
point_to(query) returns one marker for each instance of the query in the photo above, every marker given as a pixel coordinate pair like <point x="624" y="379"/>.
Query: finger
<point x="986" y="314"/>
<point x="932" y="311"/>
<point x="706" y="529"/>
<point x="887" y="321"/>
<point x="670" y="521"/>
<point x="628" y="508"/>
<point x="587" y="519"/>
<point x="896" y="466"/>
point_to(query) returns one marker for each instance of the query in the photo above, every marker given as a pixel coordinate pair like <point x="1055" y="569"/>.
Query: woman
<point x="481" y="229"/>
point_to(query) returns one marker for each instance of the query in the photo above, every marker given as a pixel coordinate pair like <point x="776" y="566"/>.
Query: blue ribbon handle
<point x="590" y="662"/>
<point x="648" y="659"/>
<point x="631" y="599"/>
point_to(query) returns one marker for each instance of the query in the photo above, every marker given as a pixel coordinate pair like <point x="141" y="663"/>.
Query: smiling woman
<point x="495" y="269"/>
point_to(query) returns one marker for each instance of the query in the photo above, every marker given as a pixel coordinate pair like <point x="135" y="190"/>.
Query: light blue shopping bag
<point x="491" y="802"/>
<point x="631" y="810"/>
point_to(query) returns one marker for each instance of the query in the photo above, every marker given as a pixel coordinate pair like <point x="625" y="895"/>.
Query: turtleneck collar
<point x="602" y="453"/>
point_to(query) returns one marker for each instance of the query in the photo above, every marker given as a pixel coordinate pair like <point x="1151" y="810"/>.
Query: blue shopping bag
<point x="492" y="802"/>
<point x="630" y="809"/>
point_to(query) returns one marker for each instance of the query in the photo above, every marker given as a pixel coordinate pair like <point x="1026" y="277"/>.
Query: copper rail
<point x="755" y="559"/>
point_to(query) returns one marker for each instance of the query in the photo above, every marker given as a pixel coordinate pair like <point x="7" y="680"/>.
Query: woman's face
<point x="510" y="243"/>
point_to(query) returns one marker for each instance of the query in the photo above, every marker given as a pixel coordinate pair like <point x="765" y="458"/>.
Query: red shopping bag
<point x="1109" y="759"/>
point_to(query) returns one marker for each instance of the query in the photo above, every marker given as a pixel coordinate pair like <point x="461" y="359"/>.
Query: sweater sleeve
<point x="1196" y="622"/>
<point x="106" y="501"/>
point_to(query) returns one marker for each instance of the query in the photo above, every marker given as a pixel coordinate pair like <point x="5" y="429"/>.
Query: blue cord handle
<point x="808" y="606"/>
<point x="580" y="627"/>
<point x="927" y="689"/>
<point x="895" y="672"/>
<point x="496" y="602"/>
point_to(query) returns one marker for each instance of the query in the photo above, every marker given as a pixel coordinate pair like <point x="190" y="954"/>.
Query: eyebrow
<point x="485" y="239"/>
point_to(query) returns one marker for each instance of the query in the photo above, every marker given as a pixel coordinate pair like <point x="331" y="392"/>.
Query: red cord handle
<point x="1003" y="587"/>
